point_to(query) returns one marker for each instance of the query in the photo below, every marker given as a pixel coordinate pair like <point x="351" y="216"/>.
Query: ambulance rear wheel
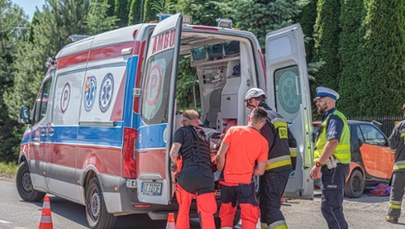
<point x="354" y="187"/>
<point x="96" y="211"/>
<point x="24" y="185"/>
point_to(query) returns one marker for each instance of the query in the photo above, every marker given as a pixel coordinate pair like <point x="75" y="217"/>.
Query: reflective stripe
<point x="281" y="224"/>
<point x="395" y="202"/>
<point x="278" y="162"/>
<point x="395" y="206"/>
<point x="399" y="165"/>
<point x="293" y="153"/>
<point x="279" y="124"/>
<point x="396" y="167"/>
<point x="46" y="219"/>
<point x="342" y="147"/>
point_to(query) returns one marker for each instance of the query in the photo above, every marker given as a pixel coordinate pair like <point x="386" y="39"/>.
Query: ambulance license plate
<point x="153" y="189"/>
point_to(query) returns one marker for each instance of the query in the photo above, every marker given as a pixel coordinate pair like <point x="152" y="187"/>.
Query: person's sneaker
<point x="391" y="219"/>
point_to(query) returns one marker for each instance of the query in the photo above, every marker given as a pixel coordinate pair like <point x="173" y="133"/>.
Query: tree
<point x="307" y="19"/>
<point x="261" y="17"/>
<point x="383" y="68"/>
<point x="326" y="36"/>
<point x="350" y="53"/>
<point x="121" y="10"/>
<point x="111" y="4"/>
<point x="203" y="12"/>
<point x="135" y="12"/>
<point x="13" y="25"/>
<point x="58" y="20"/>
<point x="97" y="19"/>
<point x="149" y="12"/>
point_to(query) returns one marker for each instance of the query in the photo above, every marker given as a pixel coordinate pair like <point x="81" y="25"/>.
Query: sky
<point x="29" y="6"/>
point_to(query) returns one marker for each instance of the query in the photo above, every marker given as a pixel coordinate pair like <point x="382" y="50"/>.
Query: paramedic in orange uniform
<point x="240" y="150"/>
<point x="191" y="152"/>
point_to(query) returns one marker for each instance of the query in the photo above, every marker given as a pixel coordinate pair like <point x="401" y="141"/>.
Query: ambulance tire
<point x="24" y="184"/>
<point x="354" y="187"/>
<point x="96" y="211"/>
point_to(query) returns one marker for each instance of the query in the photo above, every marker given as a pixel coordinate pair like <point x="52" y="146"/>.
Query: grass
<point x="8" y="170"/>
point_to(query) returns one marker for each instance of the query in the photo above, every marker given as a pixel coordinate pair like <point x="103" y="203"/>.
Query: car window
<point x="372" y="135"/>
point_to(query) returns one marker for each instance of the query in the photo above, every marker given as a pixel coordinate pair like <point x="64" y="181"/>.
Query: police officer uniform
<point x="334" y="126"/>
<point x="397" y="145"/>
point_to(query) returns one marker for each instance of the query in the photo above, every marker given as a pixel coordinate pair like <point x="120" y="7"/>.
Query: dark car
<point x="372" y="159"/>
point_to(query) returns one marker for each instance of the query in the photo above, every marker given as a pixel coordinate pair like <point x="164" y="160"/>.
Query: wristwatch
<point x="318" y="164"/>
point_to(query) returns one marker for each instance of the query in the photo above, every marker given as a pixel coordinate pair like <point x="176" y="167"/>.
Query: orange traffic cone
<point x="46" y="219"/>
<point x="171" y="223"/>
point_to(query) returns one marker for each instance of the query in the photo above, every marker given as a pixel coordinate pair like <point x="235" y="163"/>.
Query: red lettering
<point x="154" y="45"/>
<point x="166" y="41"/>
<point x="172" y="35"/>
<point x="163" y="41"/>
<point x="160" y="42"/>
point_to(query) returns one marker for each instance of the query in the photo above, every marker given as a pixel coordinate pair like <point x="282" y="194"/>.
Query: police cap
<point x="326" y="92"/>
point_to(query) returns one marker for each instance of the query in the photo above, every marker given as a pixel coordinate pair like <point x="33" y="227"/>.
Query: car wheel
<point x="96" y="211"/>
<point x="355" y="185"/>
<point x="24" y="184"/>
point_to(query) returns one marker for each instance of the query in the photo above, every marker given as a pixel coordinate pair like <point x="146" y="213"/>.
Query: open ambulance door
<point x="289" y="93"/>
<point x="157" y="109"/>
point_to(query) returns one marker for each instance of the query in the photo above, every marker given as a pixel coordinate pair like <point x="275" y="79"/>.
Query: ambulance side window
<point x="156" y="88"/>
<point x="41" y="102"/>
<point x="288" y="95"/>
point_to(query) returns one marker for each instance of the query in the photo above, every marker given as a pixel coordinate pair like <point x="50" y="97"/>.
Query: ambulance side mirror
<point x="24" y="117"/>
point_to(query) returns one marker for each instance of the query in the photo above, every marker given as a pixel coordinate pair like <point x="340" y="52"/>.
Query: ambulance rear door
<point x="289" y="93"/>
<point x="157" y="110"/>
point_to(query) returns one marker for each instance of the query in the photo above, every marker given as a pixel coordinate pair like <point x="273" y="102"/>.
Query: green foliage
<point x="121" y="10"/>
<point x="8" y="170"/>
<point x="149" y="11"/>
<point x="111" y="4"/>
<point x="187" y="87"/>
<point x="204" y="12"/>
<point x="50" y="31"/>
<point x="350" y="53"/>
<point x="307" y="19"/>
<point x="135" y="12"/>
<point x="261" y="17"/>
<point x="97" y="19"/>
<point x="383" y="67"/>
<point x="326" y="36"/>
<point x="164" y="6"/>
<point x="13" y="28"/>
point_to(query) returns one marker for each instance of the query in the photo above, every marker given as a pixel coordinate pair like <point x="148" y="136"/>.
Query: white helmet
<point x="254" y="93"/>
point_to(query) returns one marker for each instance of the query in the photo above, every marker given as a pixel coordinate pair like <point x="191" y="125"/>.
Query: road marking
<point x="4" y="222"/>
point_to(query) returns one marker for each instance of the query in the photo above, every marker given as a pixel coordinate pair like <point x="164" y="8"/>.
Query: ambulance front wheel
<point x="96" y="211"/>
<point x="24" y="185"/>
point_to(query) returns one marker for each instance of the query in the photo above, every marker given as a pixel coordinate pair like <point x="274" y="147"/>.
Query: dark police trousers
<point x="332" y="186"/>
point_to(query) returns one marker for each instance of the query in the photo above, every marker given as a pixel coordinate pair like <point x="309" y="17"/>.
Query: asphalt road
<point x="367" y="212"/>
<point x="16" y="214"/>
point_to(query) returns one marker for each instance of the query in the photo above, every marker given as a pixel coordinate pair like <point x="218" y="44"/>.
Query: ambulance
<point x="104" y="118"/>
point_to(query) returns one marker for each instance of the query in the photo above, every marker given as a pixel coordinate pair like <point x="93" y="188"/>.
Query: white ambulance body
<point x="103" y="122"/>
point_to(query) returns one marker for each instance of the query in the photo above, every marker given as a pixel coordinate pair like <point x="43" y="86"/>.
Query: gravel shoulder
<point x="364" y="212"/>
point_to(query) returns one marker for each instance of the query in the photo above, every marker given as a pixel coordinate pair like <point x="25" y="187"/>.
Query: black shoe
<point x="391" y="219"/>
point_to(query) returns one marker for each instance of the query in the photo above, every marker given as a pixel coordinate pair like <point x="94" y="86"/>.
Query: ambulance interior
<point x="224" y="67"/>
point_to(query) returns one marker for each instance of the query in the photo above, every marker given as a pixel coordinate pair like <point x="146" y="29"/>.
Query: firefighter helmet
<point x="254" y="93"/>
